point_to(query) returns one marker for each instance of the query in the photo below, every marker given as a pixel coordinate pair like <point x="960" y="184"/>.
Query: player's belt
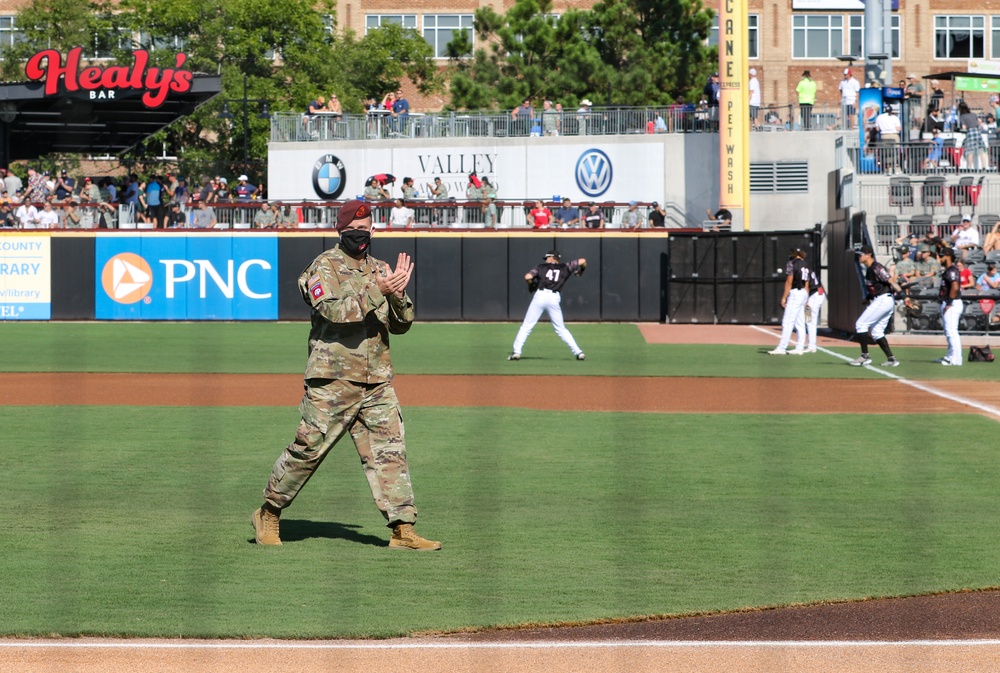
<point x="544" y="290"/>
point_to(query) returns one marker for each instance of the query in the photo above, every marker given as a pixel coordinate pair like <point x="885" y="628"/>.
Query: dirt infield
<point x="776" y="641"/>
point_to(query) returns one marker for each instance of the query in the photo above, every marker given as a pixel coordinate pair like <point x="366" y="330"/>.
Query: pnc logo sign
<point x="127" y="278"/>
<point x="186" y="278"/>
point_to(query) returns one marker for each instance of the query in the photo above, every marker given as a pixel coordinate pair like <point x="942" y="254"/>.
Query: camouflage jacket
<point x="351" y="318"/>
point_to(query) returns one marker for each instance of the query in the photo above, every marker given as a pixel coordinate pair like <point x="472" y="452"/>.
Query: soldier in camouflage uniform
<point x="357" y="301"/>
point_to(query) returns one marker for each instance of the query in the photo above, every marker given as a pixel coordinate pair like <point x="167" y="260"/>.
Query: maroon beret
<point x="350" y="211"/>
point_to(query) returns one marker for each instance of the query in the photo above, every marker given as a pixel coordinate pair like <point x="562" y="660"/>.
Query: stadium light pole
<point x="263" y="114"/>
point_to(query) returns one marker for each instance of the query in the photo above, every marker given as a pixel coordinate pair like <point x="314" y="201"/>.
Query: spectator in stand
<point x="933" y="120"/>
<point x="130" y="192"/>
<point x="69" y="215"/>
<point x="890" y="130"/>
<point x="989" y="284"/>
<point x="47" y="217"/>
<point x="550" y="119"/>
<point x="154" y="200"/>
<point x="26" y="215"/>
<point x="333" y="107"/>
<point x="374" y="191"/>
<point x="966" y="280"/>
<point x="309" y="118"/>
<point x="913" y="93"/>
<point x="583" y="116"/>
<point x="568" y="215"/>
<point x="409" y="192"/>
<point x="207" y="190"/>
<point x="90" y="193"/>
<point x="723" y="219"/>
<point x="539" y="217"/>
<point x="974" y="151"/>
<point x="400" y="113"/>
<point x="203" y="217"/>
<point x="489" y="189"/>
<point x="285" y="216"/>
<point x="64" y="185"/>
<point x="659" y="125"/>
<point x="7" y="219"/>
<point x="36" y="187"/>
<point x="170" y="184"/>
<point x="388" y="101"/>
<point x="12" y="183"/>
<point x="474" y="191"/>
<point x="522" y="116"/>
<point x="400" y="217"/>
<point x="657" y="216"/>
<point x="905" y="270"/>
<point x="965" y="237"/>
<point x="630" y="218"/>
<point x="176" y="218"/>
<point x="593" y="218"/>
<point x="933" y="159"/>
<point x="490" y="215"/>
<point x="849" y="89"/>
<point x="992" y="239"/>
<point x="806" y="89"/>
<point x="438" y="190"/>
<point x="937" y="95"/>
<point x="182" y="194"/>
<point x="244" y="190"/>
<point x="107" y="190"/>
<point x="710" y="93"/>
<point x="221" y="191"/>
<point x="264" y="218"/>
<point x="753" y="86"/>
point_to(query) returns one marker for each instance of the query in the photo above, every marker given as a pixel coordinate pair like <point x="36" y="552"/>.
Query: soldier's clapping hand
<point x="396" y="280"/>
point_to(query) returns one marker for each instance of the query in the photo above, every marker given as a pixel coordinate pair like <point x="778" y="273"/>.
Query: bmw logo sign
<point x="593" y="172"/>
<point x="329" y="177"/>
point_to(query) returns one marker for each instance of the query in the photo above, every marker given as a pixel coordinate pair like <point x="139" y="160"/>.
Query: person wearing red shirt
<point x="539" y="216"/>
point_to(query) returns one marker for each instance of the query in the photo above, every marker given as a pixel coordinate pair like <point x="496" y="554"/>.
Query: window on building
<point x="995" y="37"/>
<point x="153" y="43"/>
<point x="817" y="35"/>
<point x="440" y="29"/>
<point x="373" y="21"/>
<point x="856" y="35"/>
<point x="959" y="37"/>
<point x="753" y="28"/>
<point x="9" y="33"/>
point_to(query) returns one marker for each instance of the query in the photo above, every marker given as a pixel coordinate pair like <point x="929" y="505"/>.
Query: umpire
<point x="356" y="301"/>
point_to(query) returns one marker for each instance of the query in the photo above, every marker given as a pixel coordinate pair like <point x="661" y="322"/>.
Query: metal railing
<point x="428" y="215"/>
<point x="687" y="118"/>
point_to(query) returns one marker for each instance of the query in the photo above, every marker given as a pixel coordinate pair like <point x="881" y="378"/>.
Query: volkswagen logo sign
<point x="593" y="172"/>
<point x="329" y="177"/>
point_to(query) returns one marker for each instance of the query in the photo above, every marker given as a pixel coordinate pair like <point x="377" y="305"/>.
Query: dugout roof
<point x="33" y="124"/>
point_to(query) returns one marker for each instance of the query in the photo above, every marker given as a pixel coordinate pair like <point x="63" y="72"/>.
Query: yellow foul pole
<point x="734" y="111"/>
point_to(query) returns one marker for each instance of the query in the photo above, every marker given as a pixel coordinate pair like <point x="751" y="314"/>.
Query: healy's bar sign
<point x="102" y="83"/>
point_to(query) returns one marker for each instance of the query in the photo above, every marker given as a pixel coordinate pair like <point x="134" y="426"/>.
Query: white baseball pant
<point x="876" y="316"/>
<point x="949" y="319"/>
<point x="544" y="301"/>
<point x="794" y="318"/>
<point x="815" y="304"/>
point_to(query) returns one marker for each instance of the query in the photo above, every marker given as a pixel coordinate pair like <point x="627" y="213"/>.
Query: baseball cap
<point x="553" y="253"/>
<point x="967" y="218"/>
<point x="753" y="71"/>
<point x="911" y="76"/>
<point x="224" y="181"/>
<point x="350" y="211"/>
<point x="243" y="177"/>
<point x="655" y="204"/>
<point x="632" y="203"/>
<point x="847" y="71"/>
<point x="864" y="250"/>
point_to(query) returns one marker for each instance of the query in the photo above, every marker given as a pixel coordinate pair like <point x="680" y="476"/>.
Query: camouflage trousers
<point x="370" y="413"/>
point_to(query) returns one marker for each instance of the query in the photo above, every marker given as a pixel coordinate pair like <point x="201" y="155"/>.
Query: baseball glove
<point x="533" y="284"/>
<point x="580" y="269"/>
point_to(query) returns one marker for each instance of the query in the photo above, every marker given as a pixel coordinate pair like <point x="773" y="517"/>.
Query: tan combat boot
<point x="404" y="537"/>
<point x="265" y="527"/>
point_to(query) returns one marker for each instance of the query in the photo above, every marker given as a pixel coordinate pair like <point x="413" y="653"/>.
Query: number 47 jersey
<point x="553" y="276"/>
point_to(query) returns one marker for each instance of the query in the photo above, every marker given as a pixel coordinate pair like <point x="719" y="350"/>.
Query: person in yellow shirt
<point x="807" y="97"/>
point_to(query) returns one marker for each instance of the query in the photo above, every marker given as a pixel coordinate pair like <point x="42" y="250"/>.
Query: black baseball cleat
<point x="581" y="356"/>
<point x="514" y="356"/>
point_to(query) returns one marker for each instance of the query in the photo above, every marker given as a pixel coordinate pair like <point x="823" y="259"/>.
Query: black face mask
<point x="355" y="242"/>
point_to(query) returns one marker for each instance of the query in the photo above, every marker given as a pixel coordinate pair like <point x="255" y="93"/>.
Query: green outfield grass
<point x="134" y="521"/>
<point x="467" y="348"/>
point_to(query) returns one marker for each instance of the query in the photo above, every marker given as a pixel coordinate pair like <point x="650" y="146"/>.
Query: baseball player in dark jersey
<point x="817" y="297"/>
<point x="950" y="293"/>
<point x="545" y="281"/>
<point x="793" y="300"/>
<point x="870" y="327"/>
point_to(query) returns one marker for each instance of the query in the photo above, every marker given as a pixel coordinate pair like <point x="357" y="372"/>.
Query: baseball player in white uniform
<point x="545" y="281"/>
<point x="871" y="324"/>
<point x="950" y="293"/>
<point x="793" y="300"/>
<point x="817" y="297"/>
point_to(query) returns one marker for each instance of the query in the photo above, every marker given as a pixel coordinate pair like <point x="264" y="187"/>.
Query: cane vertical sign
<point x="734" y="111"/>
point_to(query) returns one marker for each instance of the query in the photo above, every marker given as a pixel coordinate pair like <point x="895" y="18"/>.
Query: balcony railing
<point x="689" y="118"/>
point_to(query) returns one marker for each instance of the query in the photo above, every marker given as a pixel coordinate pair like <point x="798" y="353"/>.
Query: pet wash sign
<point x="205" y="277"/>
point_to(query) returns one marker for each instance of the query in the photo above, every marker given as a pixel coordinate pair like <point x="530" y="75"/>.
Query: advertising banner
<point x="734" y="111"/>
<point x="207" y="277"/>
<point x="25" y="277"/>
<point x="583" y="171"/>
<point x="869" y="107"/>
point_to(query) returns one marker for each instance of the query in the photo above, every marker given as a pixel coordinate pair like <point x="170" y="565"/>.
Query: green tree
<point x="622" y="52"/>
<point x="286" y="51"/>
